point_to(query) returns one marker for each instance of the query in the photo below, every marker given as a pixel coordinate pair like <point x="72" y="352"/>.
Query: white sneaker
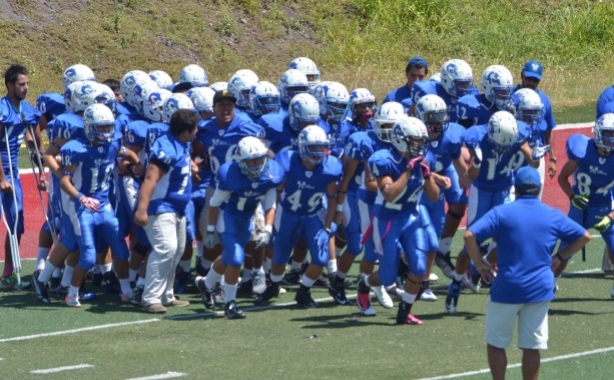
<point x="468" y="283"/>
<point x="433" y="277"/>
<point x="72" y="301"/>
<point x="428" y="296"/>
<point x="382" y="296"/>
<point x="258" y="283"/>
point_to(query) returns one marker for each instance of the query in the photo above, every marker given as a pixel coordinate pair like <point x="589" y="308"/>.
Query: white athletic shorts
<point x="532" y="324"/>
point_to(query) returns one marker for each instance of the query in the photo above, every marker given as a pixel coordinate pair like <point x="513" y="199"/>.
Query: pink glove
<point x="412" y="163"/>
<point x="426" y="170"/>
<point x="89" y="203"/>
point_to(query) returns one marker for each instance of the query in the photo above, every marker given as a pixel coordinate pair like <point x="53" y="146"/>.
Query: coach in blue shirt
<point x="416" y="70"/>
<point x="526" y="232"/>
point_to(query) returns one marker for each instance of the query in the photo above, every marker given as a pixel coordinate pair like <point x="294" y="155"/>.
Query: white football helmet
<point x="313" y="144"/>
<point x="308" y="67"/>
<point x="141" y="91"/>
<point x="240" y="85"/>
<point x="202" y="98"/>
<point x="409" y="135"/>
<point x="333" y="98"/>
<point x="291" y="83"/>
<point x="82" y="94"/>
<point x="99" y="123"/>
<point x="361" y="96"/>
<point x="76" y="73"/>
<point x="126" y="85"/>
<point x="502" y="130"/>
<point x="264" y="98"/>
<point x="304" y="108"/>
<point x="605" y="123"/>
<point x="173" y="103"/>
<point x="153" y="104"/>
<point x="387" y="115"/>
<point x="529" y="105"/>
<point x="162" y="79"/>
<point x="195" y="75"/>
<point x="497" y="86"/>
<point x="433" y="112"/>
<point x="456" y="77"/>
<point x="252" y="157"/>
<point x="219" y="86"/>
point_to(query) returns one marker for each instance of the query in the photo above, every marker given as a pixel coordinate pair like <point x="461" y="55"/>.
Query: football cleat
<point x="246" y="288"/>
<point x="382" y="296"/>
<point x="258" y="282"/>
<point x="271" y="291"/>
<point x="199" y="269"/>
<point x="182" y="278"/>
<point x="337" y="291"/>
<point x="40" y="288"/>
<point x="454" y="291"/>
<point x="137" y="295"/>
<point x="303" y="298"/>
<point x="428" y="295"/>
<point x="110" y="283"/>
<point x="54" y="283"/>
<point x="363" y="300"/>
<point x="72" y="301"/>
<point x="322" y="281"/>
<point x="404" y="317"/>
<point x="207" y="295"/>
<point x="232" y="312"/>
<point x="126" y="298"/>
<point x="444" y="262"/>
<point x="293" y="277"/>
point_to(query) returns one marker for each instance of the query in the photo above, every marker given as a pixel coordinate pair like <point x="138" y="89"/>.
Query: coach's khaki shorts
<point x="532" y="324"/>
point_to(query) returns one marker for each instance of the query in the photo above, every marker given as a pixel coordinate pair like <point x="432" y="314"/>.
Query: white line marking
<point x="574" y="126"/>
<point x="168" y="375"/>
<point x="60" y="369"/>
<point x="91" y="328"/>
<point x="516" y="365"/>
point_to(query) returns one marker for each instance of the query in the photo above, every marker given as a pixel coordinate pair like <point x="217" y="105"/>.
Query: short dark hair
<point x="11" y="74"/>
<point x="534" y="191"/>
<point x="183" y="120"/>
<point x="112" y="83"/>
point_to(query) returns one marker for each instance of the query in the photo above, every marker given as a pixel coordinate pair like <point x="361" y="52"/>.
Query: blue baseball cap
<point x="533" y="69"/>
<point x="418" y="61"/>
<point x="527" y="178"/>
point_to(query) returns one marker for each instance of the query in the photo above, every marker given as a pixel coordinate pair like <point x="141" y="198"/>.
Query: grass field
<point x="106" y="340"/>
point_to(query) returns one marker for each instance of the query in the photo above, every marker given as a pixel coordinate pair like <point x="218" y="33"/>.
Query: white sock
<point x="306" y="281"/>
<point x="267" y="265"/>
<point x="124" y="283"/>
<point x="247" y="275"/>
<point x="258" y="270"/>
<point x="276" y="278"/>
<point x="409" y="298"/>
<point x="132" y="273"/>
<point x="48" y="270"/>
<point x="206" y="263"/>
<point x="212" y="278"/>
<point x="105" y="268"/>
<point x="340" y="274"/>
<point x="185" y="265"/>
<point x="230" y="292"/>
<point x="140" y="282"/>
<point x="445" y="245"/>
<point x="67" y="276"/>
<point x="57" y="273"/>
<point x="331" y="266"/>
<point x="199" y="248"/>
<point x="41" y="256"/>
<point x="73" y="291"/>
<point x="296" y="265"/>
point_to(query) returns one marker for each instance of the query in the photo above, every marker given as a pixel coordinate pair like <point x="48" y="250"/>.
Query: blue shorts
<point x="289" y="226"/>
<point x="234" y="232"/>
<point x="482" y="201"/>
<point x="352" y="228"/>
<point x="593" y="215"/>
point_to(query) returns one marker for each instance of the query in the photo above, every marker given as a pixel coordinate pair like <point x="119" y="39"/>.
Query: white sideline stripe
<point x="168" y="375"/>
<point x="516" y="365"/>
<point x="60" y="369"/>
<point x="91" y="328"/>
<point x="574" y="126"/>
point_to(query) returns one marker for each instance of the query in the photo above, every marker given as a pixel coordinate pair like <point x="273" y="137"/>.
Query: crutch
<point x="42" y="185"/>
<point x="14" y="243"/>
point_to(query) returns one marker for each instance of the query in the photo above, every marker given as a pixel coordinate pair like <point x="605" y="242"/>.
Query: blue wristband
<point x="78" y="196"/>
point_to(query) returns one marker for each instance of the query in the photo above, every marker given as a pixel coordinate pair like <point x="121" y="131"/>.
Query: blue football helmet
<point x="303" y="109"/>
<point x="173" y="103"/>
<point x="503" y="130"/>
<point x="252" y="156"/>
<point x="433" y="112"/>
<point x="605" y="123"/>
<point x="497" y="86"/>
<point x="456" y="77"/>
<point x="409" y="135"/>
<point x="99" y="123"/>
<point x="291" y="83"/>
<point x="313" y="144"/>
<point x="387" y="115"/>
<point x="264" y="98"/>
<point x="240" y="85"/>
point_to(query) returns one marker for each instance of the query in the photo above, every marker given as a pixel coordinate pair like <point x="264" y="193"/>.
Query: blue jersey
<point x="429" y="87"/>
<point x="497" y="168"/>
<point x="136" y="137"/>
<point x="277" y="129"/>
<point x="94" y="166"/>
<point x="524" y="259"/>
<point x="391" y="164"/>
<point x="15" y="123"/>
<point x="154" y="131"/>
<point x="221" y="143"/>
<point x="605" y="102"/>
<point x="447" y="147"/>
<point x="245" y="193"/>
<point x="50" y="105"/>
<point x="472" y="110"/>
<point x="304" y="189"/>
<point x="348" y="127"/>
<point x="594" y="176"/>
<point x="67" y="126"/>
<point x="246" y="116"/>
<point x="174" y="189"/>
<point x="361" y="146"/>
<point x="547" y="123"/>
<point x="398" y="95"/>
